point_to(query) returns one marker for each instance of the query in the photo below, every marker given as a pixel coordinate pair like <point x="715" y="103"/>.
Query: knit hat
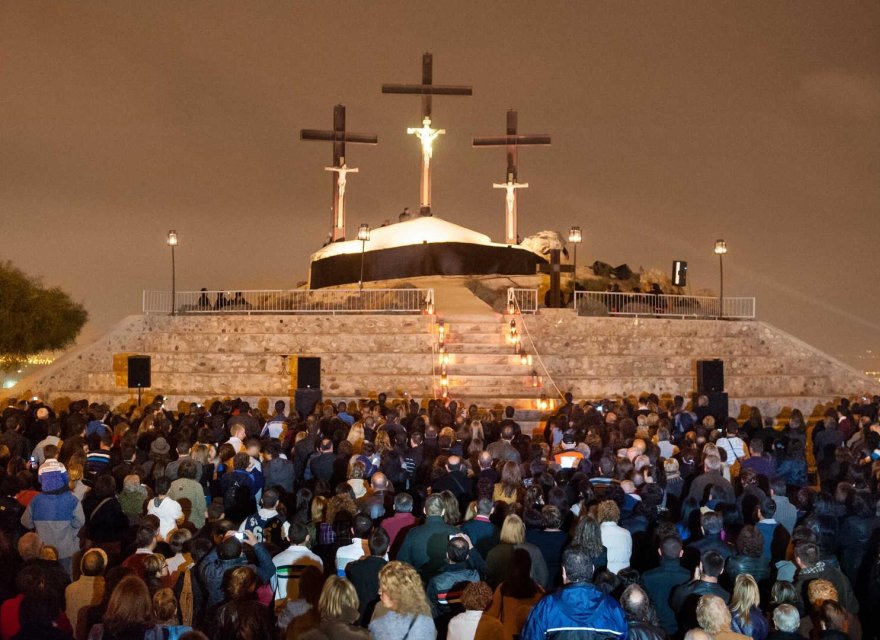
<point x="52" y="475"/>
<point x="160" y="447"/>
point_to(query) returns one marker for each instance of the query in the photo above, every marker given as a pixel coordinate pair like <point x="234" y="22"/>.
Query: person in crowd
<point x="338" y="609"/>
<point x="685" y="597"/>
<point x="786" y="620"/>
<point x="290" y="563"/>
<point x="166" y="508"/>
<point x="165" y="606"/>
<point x="616" y="539"/>
<point x="811" y="567"/>
<point x="578" y="606"/>
<point x="401" y="522"/>
<point x="641" y="618"/>
<point x="745" y="612"/>
<point x="242" y="616"/>
<point x="188" y="492"/>
<point x="129" y="614"/>
<point x="474" y="623"/>
<point x="87" y="590"/>
<point x="714" y="618"/>
<point x="424" y="546"/>
<point x="514" y="598"/>
<point x="513" y="536"/>
<point x="661" y="581"/>
<point x="407" y="614"/>
<point x="444" y="589"/>
<point x="229" y="555"/>
<point x="480" y="529"/>
<point x="364" y="574"/>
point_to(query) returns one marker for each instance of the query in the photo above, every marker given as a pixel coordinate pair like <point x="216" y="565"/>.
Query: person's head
<point x="697" y="634"/>
<point x="339" y="600"/>
<point x="806" y="555"/>
<point x="750" y="542"/>
<point x="29" y="546"/>
<point x="163" y="486"/>
<point x="187" y="469"/>
<point x="513" y="531"/>
<point x="511" y="478"/>
<point x="712" y="614"/>
<point x="672" y="469"/>
<point x="361" y="526"/>
<point x="712" y="463"/>
<point x="745" y="595"/>
<point x="712" y="523"/>
<point x="608" y="511"/>
<point x="635" y="603"/>
<point x="241" y="583"/>
<point x="145" y="538"/>
<point x="670" y="548"/>
<point x="577" y="566"/>
<point x="457" y="550"/>
<point x="165" y="606"/>
<point x="130" y="605"/>
<point x="229" y="548"/>
<point x="711" y="564"/>
<point x="834" y="617"/>
<point x="241" y="461"/>
<point x="784" y="592"/>
<point x="178" y="538"/>
<point x="379" y="542"/>
<point x="786" y="618"/>
<point x="434" y="505"/>
<point x="93" y="562"/>
<point x="401" y="590"/>
<point x="820" y="591"/>
<point x="403" y="503"/>
<point x="477" y="596"/>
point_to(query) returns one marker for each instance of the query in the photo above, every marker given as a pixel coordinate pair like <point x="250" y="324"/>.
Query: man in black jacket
<point x="456" y="481"/>
<point x="660" y="582"/>
<point x="684" y="598"/>
<point x="364" y="573"/>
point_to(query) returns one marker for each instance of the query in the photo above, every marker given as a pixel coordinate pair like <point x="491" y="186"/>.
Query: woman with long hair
<point x="510" y="488"/>
<point x="515" y="596"/>
<point x="129" y="614"/>
<point x="498" y="560"/>
<point x="745" y="615"/>
<point x="409" y="614"/>
<point x="338" y="607"/>
<point x="748" y="558"/>
<point x="588" y="536"/>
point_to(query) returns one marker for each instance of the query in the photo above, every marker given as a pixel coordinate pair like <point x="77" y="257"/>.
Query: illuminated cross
<point x="512" y="141"/>
<point x="426" y="134"/>
<point x="338" y="136"/>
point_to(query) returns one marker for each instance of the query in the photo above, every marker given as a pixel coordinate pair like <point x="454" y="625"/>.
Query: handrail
<point x="608" y="303"/>
<point x="522" y="300"/>
<point x="294" y="301"/>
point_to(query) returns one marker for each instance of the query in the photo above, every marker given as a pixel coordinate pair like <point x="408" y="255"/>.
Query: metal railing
<point x="522" y="300"/>
<point x="304" y="301"/>
<point x="600" y="303"/>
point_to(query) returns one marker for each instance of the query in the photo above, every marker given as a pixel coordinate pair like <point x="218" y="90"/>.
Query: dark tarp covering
<point x="427" y="259"/>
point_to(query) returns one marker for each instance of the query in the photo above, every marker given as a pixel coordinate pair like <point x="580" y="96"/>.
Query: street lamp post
<point x="720" y="250"/>
<point x="171" y="240"/>
<point x="574" y="237"/>
<point x="363" y="236"/>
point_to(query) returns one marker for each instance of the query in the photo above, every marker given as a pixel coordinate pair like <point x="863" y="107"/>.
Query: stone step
<point x="292" y="344"/>
<point x="234" y="363"/>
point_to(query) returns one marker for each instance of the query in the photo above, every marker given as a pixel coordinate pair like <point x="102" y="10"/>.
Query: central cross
<point x="427" y="134"/>
<point x="512" y="141"/>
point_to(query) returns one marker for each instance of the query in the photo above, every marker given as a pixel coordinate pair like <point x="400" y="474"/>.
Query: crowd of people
<point x="632" y="519"/>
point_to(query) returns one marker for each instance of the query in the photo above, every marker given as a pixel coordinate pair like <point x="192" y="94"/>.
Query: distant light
<point x="720" y="247"/>
<point x="364" y="232"/>
<point x="172" y="238"/>
<point x="9" y="384"/>
<point x="574" y="235"/>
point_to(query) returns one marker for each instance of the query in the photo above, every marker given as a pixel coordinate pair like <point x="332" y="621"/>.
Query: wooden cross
<point x="555" y="269"/>
<point x="338" y="136"/>
<point x="512" y="141"/>
<point x="426" y="134"/>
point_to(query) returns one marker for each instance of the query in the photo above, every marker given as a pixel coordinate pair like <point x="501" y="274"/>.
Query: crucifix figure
<point x="512" y="141"/>
<point x="426" y="134"/>
<point x="338" y="136"/>
<point x="555" y="269"/>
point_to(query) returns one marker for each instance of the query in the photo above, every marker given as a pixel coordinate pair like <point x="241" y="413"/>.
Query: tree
<point x="34" y="318"/>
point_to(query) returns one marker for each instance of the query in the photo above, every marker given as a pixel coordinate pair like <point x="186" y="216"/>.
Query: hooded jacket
<point x="57" y="517"/>
<point x="576" y="612"/>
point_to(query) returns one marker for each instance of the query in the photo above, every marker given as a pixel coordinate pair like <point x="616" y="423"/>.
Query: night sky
<point x="673" y="124"/>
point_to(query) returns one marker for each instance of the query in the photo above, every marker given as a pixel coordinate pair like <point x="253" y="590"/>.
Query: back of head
<point x="403" y="503"/>
<point x="434" y="505"/>
<point x="833" y="616"/>
<point x="577" y="564"/>
<point x="339" y="600"/>
<point x="93" y="562"/>
<point x="229" y="548"/>
<point x="712" y="522"/>
<point x="636" y="603"/>
<point x="712" y="614"/>
<point x="786" y="618"/>
<point x="670" y="547"/>
<point x="457" y="550"/>
<point x="379" y="542"/>
<point x="362" y="525"/>
<point x="712" y="564"/>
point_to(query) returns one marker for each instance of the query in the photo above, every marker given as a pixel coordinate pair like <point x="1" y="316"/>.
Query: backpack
<point x="237" y="500"/>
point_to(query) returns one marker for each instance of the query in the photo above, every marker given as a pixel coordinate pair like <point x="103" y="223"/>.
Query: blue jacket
<point x="576" y="612"/>
<point x="213" y="569"/>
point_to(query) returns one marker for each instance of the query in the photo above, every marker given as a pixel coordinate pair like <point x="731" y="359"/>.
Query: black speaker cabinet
<point x="710" y="376"/>
<point x="138" y="372"/>
<point x="308" y="373"/>
<point x="304" y="400"/>
<point x="718" y="406"/>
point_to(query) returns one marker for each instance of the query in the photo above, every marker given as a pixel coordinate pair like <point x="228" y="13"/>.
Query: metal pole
<point x="721" y="292"/>
<point x="574" y="274"/>
<point x="173" y="283"/>
<point x="361" y="281"/>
